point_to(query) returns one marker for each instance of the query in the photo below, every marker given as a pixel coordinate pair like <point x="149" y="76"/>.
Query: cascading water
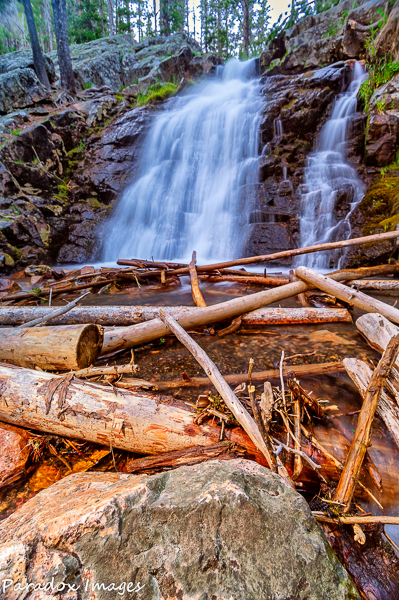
<point x="330" y="181"/>
<point x="199" y="157"/>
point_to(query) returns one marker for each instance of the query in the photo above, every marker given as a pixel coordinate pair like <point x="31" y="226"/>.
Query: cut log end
<point x="89" y="345"/>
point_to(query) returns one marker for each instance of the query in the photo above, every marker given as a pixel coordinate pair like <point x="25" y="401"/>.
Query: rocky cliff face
<point x="61" y="168"/>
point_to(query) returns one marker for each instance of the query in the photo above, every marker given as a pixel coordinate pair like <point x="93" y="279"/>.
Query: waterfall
<point x="199" y="158"/>
<point x="332" y="185"/>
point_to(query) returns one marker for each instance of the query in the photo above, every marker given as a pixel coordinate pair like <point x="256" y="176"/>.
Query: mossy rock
<point x="380" y="206"/>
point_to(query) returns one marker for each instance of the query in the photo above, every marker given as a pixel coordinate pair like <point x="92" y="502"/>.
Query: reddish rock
<point x="382" y="139"/>
<point x="7" y="285"/>
<point x="14" y="453"/>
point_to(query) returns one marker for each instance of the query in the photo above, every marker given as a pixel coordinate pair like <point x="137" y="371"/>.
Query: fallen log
<point x="139" y="422"/>
<point x="361" y="439"/>
<point x="264" y="281"/>
<point x="377" y="331"/>
<point x="127" y="337"/>
<point x="349" y="295"/>
<point x="230" y="399"/>
<point x="387" y="408"/>
<point x="257" y="376"/>
<point x="379" y="237"/>
<point x="375" y="284"/>
<point x="189" y="457"/>
<point x="54" y="348"/>
<point x="54" y="313"/>
<point x="131" y="315"/>
<point x="195" y="289"/>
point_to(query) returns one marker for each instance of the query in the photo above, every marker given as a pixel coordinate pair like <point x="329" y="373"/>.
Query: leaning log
<point x="138" y="422"/>
<point x="251" y="260"/>
<point x="54" y="348"/>
<point x="343" y="292"/>
<point x="387" y="408"/>
<point x="361" y="439"/>
<point x="131" y="315"/>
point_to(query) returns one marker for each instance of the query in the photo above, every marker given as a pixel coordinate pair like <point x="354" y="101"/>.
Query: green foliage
<point x="84" y="21"/>
<point x="88" y="85"/>
<point x="157" y="93"/>
<point x="380" y="206"/>
<point x="15" y="131"/>
<point x="36" y="291"/>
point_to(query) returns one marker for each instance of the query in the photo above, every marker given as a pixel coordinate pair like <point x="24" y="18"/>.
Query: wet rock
<point x="70" y="125"/>
<point x="14" y="453"/>
<point x="20" y="88"/>
<point x="387" y="96"/>
<point x="194" y="532"/>
<point x="38" y="270"/>
<point x="112" y="161"/>
<point x="382" y="138"/>
<point x="8" y="285"/>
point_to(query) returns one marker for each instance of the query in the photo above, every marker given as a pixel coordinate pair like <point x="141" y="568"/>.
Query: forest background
<point x="225" y="27"/>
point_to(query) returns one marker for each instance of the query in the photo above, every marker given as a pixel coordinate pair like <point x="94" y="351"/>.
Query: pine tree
<point x="64" y="56"/>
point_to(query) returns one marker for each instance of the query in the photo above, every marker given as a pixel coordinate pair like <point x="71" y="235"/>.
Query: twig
<point x="115" y="370"/>
<point x="356" y="519"/>
<point x="282" y="379"/>
<point x="56" y="313"/>
<point x="391" y="541"/>
<point x="303" y="455"/>
<point x="297" y="430"/>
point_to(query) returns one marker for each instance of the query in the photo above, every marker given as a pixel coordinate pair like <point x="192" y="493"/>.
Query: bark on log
<point x="195" y="289"/>
<point x="377" y="330"/>
<point x="138" y="422"/>
<point x="54" y="348"/>
<point x="361" y="438"/>
<point x="257" y="376"/>
<point x="131" y="315"/>
<point x="343" y="292"/>
<point x="387" y="408"/>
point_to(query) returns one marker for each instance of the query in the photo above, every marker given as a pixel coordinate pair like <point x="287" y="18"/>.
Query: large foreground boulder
<point x="221" y="530"/>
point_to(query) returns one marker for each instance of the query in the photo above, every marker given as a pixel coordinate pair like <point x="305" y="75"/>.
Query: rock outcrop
<point x="218" y="530"/>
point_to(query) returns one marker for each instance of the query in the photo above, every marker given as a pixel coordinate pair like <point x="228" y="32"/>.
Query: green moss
<point x="157" y="93"/>
<point x="380" y="206"/>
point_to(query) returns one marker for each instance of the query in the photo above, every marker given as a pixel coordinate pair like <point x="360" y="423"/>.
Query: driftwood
<point x="117" y="370"/>
<point x="379" y="237"/>
<point x="361" y="438"/>
<point x="230" y="399"/>
<point x="356" y="519"/>
<point x="257" y="376"/>
<point x="377" y="330"/>
<point x="195" y="289"/>
<point x="139" y="422"/>
<point x="132" y="315"/>
<point x="53" y="348"/>
<point x="343" y="292"/>
<point x="387" y="408"/>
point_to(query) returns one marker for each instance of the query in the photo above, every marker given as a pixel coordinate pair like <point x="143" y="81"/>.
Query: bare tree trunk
<point x="49" y="25"/>
<point x="155" y="15"/>
<point x="110" y="17"/>
<point x="245" y="8"/>
<point x="38" y="59"/>
<point x="64" y="56"/>
<point x="102" y="18"/>
<point x="165" y="25"/>
<point x="127" y="8"/>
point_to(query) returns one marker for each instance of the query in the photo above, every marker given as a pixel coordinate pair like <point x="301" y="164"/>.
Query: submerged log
<point x="131" y="315"/>
<point x="55" y="348"/>
<point x="138" y="422"/>
<point x="257" y="376"/>
<point x="343" y="292"/>
<point x="180" y="458"/>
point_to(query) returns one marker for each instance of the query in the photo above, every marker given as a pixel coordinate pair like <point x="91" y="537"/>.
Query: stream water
<point x="199" y="156"/>
<point x="331" y="181"/>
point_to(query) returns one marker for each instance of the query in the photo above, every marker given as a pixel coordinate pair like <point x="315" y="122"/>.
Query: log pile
<point x="56" y="378"/>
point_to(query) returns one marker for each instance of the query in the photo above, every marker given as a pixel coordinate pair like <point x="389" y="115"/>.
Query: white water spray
<point x="327" y="176"/>
<point x="199" y="156"/>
